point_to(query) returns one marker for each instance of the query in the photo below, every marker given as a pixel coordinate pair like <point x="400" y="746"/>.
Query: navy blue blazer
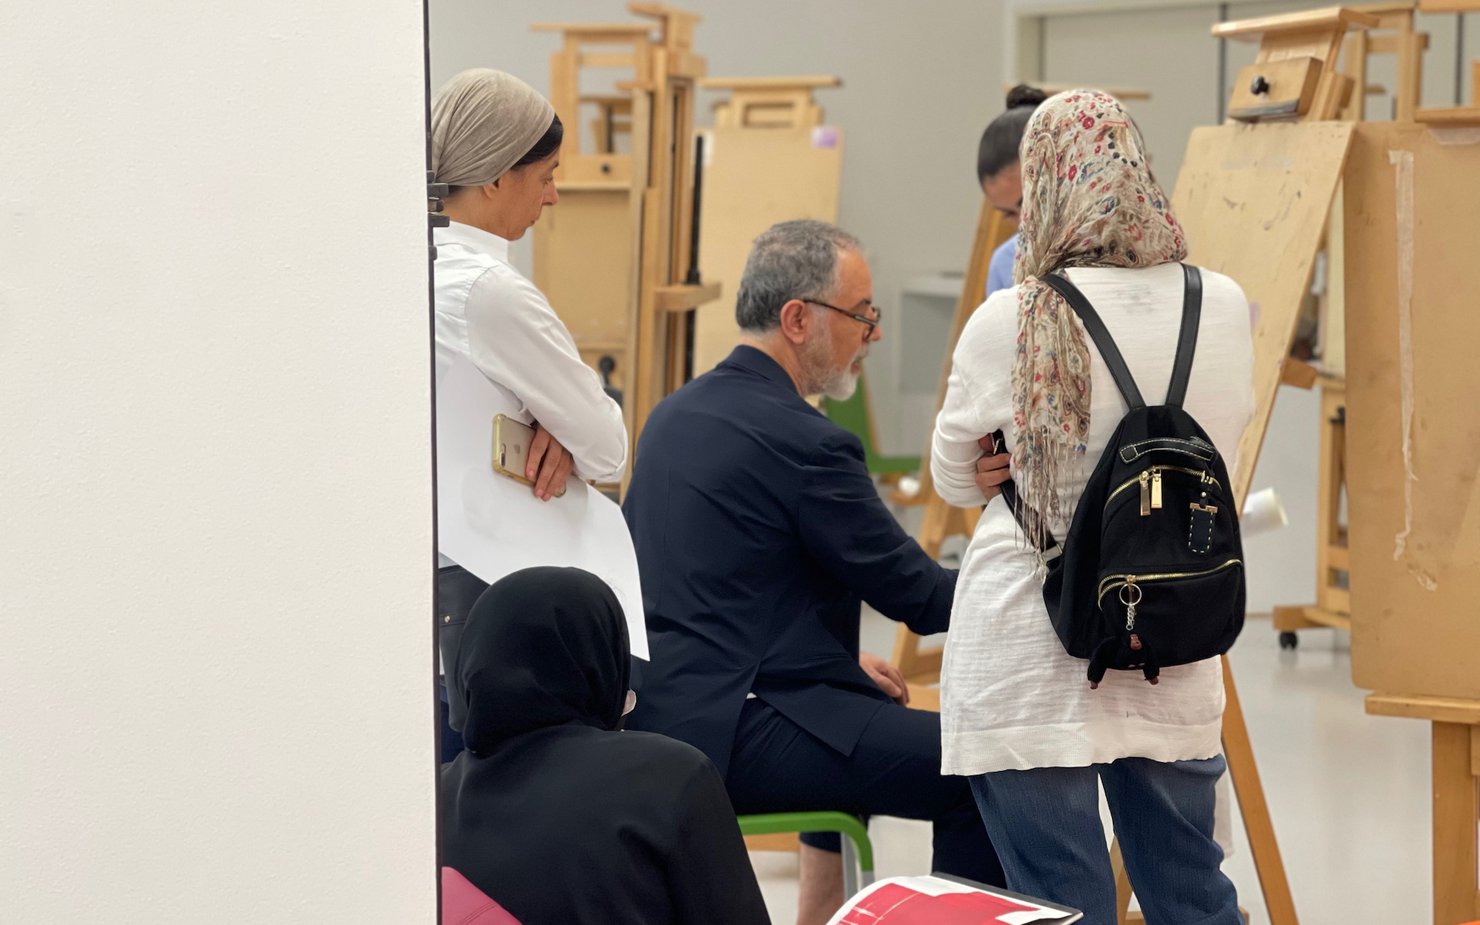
<point x="758" y="532"/>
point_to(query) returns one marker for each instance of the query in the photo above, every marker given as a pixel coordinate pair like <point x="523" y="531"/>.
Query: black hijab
<point x="551" y="811"/>
<point x="543" y="647"/>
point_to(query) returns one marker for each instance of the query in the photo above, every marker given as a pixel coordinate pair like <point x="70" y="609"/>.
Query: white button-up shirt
<point x="488" y="311"/>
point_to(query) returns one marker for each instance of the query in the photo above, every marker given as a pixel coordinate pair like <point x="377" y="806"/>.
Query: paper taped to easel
<point x="493" y="526"/>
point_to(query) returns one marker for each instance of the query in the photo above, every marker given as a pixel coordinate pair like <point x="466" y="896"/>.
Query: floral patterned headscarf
<point x="1089" y="200"/>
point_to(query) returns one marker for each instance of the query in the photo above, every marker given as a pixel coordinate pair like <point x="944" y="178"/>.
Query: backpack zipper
<point x="1111" y="582"/>
<point x="1150" y="482"/>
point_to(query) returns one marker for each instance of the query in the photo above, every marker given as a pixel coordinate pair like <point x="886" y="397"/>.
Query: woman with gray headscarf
<point x="496" y="144"/>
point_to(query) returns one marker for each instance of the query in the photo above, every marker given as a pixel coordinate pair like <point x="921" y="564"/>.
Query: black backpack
<point x="1151" y="572"/>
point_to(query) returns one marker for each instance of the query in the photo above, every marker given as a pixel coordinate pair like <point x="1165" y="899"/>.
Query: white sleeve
<point x="516" y="338"/>
<point x="975" y="403"/>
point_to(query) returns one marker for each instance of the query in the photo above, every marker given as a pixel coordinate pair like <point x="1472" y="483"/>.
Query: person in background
<point x="553" y="811"/>
<point x="1000" y="176"/>
<point x="759" y="533"/>
<point x="496" y="144"/>
<point x="1018" y="717"/>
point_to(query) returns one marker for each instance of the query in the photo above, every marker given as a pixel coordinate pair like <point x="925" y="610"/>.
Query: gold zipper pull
<point x="1156" y="489"/>
<point x="1146" y="494"/>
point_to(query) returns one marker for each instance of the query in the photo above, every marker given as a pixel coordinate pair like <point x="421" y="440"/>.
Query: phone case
<point x="510" y="448"/>
<point x="511" y="441"/>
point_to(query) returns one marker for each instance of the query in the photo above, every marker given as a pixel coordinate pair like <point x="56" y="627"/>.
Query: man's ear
<point x="794" y="318"/>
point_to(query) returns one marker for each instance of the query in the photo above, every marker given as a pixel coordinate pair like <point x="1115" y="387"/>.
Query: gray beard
<point x="837" y="384"/>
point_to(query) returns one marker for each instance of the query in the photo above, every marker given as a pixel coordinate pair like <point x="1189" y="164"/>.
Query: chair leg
<point x="850" y="868"/>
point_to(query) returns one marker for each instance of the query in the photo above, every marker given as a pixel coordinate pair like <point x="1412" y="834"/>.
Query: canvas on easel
<point x="768" y="158"/>
<point x="1411" y="198"/>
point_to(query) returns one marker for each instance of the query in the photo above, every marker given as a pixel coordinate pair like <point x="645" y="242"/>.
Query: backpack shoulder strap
<point x="1101" y="336"/>
<point x="1187" y="340"/>
<point x="1047" y="545"/>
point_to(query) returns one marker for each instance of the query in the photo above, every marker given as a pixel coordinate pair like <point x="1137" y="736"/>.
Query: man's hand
<point x="548" y="466"/>
<point x="991" y="468"/>
<point x="886" y="676"/>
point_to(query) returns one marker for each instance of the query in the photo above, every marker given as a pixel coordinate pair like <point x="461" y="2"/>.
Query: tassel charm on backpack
<point x="1150" y="574"/>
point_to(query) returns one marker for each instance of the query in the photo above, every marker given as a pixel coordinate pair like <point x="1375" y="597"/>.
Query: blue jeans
<point x="1045" y="824"/>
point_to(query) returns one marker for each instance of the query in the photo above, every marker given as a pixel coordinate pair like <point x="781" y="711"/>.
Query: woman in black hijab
<point x="552" y="811"/>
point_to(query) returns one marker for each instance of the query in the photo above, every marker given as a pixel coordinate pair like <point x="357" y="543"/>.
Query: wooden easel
<point x="1393" y="35"/>
<point x="1332" y="607"/>
<point x="767" y="159"/>
<point x="1414" y="488"/>
<point x="626" y="215"/>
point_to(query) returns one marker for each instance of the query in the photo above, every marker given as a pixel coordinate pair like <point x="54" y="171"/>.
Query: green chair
<point x="858" y="851"/>
<point x="854" y="416"/>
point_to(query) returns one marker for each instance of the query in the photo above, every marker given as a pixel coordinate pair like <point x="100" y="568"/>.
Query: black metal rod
<point x="693" y="275"/>
<point x="1459" y="61"/>
<point x="1222" y="66"/>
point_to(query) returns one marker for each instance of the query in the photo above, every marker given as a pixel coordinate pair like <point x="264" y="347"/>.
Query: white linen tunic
<point x="1011" y="697"/>
<point x="488" y="311"/>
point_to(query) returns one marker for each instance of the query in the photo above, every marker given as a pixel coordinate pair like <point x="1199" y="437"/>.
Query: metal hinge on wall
<point x="436" y="192"/>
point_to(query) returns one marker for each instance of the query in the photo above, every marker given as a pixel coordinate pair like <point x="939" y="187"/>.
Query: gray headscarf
<point x="483" y="122"/>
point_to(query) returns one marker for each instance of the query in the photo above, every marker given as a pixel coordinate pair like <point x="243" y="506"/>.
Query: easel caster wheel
<point x="1289" y="640"/>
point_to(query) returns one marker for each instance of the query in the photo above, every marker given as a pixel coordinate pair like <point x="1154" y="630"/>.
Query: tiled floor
<point x="1348" y="792"/>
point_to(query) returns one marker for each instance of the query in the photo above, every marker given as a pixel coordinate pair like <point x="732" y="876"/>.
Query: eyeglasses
<point x="869" y="323"/>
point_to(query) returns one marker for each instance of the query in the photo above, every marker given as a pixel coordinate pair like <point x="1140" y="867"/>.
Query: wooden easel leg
<point x="1122" y="885"/>
<point x="1456" y="812"/>
<point x="1255" y="811"/>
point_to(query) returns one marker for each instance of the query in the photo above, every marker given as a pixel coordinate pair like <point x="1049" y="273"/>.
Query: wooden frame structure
<point x="769" y="102"/>
<point x="626" y="214"/>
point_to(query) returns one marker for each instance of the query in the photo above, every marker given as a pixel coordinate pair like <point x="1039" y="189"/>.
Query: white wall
<point x="216" y="553"/>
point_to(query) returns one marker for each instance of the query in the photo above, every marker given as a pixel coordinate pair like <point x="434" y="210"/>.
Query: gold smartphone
<point x="511" y="442"/>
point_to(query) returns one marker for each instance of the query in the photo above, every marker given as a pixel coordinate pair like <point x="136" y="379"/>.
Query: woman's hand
<point x="549" y="465"/>
<point x="991" y="468"/>
<point x="886" y="676"/>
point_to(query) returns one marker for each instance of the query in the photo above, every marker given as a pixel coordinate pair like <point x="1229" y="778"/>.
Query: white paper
<point x="492" y="525"/>
<point x="1263" y="512"/>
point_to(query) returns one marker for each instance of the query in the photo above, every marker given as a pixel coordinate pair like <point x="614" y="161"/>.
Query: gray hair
<point x="790" y="260"/>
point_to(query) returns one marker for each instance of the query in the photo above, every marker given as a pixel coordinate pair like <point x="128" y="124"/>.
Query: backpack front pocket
<point x="1183" y="615"/>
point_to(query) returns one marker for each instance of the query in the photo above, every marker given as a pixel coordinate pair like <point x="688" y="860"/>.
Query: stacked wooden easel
<point x="627" y="203"/>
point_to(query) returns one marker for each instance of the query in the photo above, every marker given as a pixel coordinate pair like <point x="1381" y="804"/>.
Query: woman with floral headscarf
<point x="1017" y="714"/>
